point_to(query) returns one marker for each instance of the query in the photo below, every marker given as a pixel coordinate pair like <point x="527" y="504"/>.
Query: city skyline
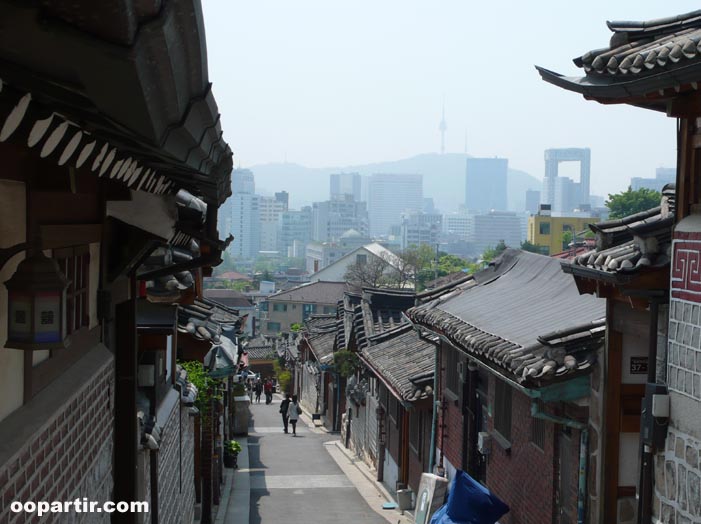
<point x="330" y="115"/>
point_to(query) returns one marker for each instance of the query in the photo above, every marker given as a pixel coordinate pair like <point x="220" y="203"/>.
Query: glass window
<point x="544" y="228"/>
<point x="279" y="307"/>
<point x="273" y="327"/>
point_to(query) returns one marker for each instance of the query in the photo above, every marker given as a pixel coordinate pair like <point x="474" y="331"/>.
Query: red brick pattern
<point x="449" y="423"/>
<point x="69" y="457"/>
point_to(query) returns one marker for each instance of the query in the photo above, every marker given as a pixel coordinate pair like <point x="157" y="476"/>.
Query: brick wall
<point x="69" y="457"/>
<point x="176" y="468"/>
<point x="523" y="476"/>
<point x="450" y="419"/>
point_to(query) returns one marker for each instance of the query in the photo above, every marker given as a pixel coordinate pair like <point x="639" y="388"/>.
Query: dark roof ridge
<point x="391" y="333"/>
<point x="658" y="25"/>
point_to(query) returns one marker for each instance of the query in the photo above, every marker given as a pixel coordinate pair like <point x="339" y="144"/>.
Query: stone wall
<point x="69" y="456"/>
<point x="678" y="469"/>
<point x="176" y="469"/>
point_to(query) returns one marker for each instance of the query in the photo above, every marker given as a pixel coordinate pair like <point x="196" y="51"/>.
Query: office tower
<point x="391" y="195"/>
<point x="345" y="184"/>
<point x="242" y="181"/>
<point x="485" y="184"/>
<point x="458" y="226"/>
<point x="494" y="227"/>
<point x="420" y="228"/>
<point x="663" y="175"/>
<point x="572" y="194"/>
<point x="334" y="217"/>
<point x="294" y="232"/>
<point x="245" y="225"/>
<point x="532" y="200"/>
<point x="270" y="210"/>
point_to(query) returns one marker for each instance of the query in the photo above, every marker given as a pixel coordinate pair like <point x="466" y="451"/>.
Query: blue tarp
<point x="469" y="502"/>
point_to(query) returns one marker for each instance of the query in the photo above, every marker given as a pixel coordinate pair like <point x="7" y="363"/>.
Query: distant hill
<point x="444" y="179"/>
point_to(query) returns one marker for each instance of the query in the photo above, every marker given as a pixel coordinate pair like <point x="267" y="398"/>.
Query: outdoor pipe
<point x="583" y="452"/>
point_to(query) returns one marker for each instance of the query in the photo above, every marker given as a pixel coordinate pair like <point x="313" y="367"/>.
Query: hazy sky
<point x="330" y="83"/>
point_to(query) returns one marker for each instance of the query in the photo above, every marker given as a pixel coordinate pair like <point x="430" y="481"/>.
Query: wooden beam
<point x="612" y="422"/>
<point x="126" y="427"/>
<point x="57" y="236"/>
<point x="685" y="106"/>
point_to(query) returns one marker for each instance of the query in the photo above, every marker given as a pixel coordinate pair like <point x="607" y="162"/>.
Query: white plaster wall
<point x="12" y="231"/>
<point x="94" y="281"/>
<point x="390" y="473"/>
<point x="628" y="461"/>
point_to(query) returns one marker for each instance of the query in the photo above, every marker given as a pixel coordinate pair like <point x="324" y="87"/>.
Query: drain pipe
<point x="434" y="420"/>
<point x="583" y="452"/>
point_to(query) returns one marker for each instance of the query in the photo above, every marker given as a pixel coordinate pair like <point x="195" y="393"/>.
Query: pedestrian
<point x="258" y="388"/>
<point x="268" y="388"/>
<point x="293" y="413"/>
<point x="283" y="411"/>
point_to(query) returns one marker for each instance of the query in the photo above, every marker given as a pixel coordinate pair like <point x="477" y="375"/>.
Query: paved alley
<point x="294" y="479"/>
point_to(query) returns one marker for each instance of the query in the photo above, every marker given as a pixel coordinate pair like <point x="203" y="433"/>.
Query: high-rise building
<point x="458" y="226"/>
<point x="497" y="226"/>
<point x="242" y="181"/>
<point x="532" y="200"/>
<point x="334" y="217"/>
<point x="420" y="228"/>
<point x="663" y="176"/>
<point x="391" y="195"/>
<point x="294" y="232"/>
<point x="558" y="192"/>
<point x="245" y="225"/>
<point x="270" y="210"/>
<point x="485" y="184"/>
<point x="345" y="184"/>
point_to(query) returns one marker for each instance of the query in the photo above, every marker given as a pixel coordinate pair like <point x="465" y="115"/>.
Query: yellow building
<point x="549" y="231"/>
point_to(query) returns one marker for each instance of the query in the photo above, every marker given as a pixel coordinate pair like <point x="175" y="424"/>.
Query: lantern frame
<point x="37" y="293"/>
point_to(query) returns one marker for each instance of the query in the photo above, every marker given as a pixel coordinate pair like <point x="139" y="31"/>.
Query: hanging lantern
<point x="37" y="305"/>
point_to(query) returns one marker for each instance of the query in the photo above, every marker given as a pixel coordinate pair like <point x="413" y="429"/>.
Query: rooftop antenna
<point x="442" y="127"/>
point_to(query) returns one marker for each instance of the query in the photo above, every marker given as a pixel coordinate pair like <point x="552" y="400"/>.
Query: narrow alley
<point x="295" y="479"/>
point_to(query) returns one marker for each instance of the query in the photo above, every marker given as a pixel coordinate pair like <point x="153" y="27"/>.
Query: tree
<point x="533" y="248"/>
<point x="371" y="273"/>
<point x="630" y="202"/>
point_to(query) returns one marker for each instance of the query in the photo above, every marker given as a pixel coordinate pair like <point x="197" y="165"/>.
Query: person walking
<point x="268" y="388"/>
<point x="258" y="388"/>
<point x="283" y="411"/>
<point x="293" y="413"/>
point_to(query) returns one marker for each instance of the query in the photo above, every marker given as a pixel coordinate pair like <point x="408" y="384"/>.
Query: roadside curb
<point x="394" y="516"/>
<point x="235" y="506"/>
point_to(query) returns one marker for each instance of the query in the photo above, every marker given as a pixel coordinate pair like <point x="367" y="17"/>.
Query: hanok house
<point x="518" y="360"/>
<point x="316" y="384"/>
<point x="212" y="335"/>
<point x="261" y="356"/>
<point x="103" y="158"/>
<point x="630" y="269"/>
<point x="657" y="65"/>
<point x="388" y="402"/>
<point x="283" y="309"/>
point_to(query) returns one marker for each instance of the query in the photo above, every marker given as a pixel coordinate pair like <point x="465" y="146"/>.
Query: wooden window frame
<point x="75" y="265"/>
<point x="452" y="380"/>
<point x="416" y="432"/>
<point x="538" y="430"/>
<point x="503" y="407"/>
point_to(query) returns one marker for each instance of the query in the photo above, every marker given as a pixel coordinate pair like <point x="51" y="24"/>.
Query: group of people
<point x="290" y="411"/>
<point x="263" y="387"/>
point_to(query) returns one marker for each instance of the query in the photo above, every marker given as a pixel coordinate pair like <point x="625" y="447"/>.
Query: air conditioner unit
<point x="484" y="441"/>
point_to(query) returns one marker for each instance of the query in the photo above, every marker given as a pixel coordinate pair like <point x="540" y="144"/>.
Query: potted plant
<point x="231" y="452"/>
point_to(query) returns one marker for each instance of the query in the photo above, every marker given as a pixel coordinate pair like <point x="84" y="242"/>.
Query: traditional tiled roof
<point x="91" y="86"/>
<point x="260" y="349"/>
<point x="379" y="310"/>
<point x="631" y="244"/>
<point x="228" y="297"/>
<point x="315" y="292"/>
<point x="642" y="61"/>
<point x="522" y="317"/>
<point x="320" y="334"/>
<point x="404" y="361"/>
<point x="207" y="320"/>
